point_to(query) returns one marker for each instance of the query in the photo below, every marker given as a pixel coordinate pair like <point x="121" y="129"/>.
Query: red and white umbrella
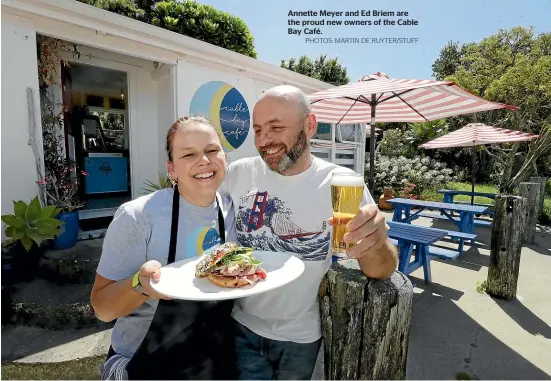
<point x="477" y="134"/>
<point x="378" y="98"/>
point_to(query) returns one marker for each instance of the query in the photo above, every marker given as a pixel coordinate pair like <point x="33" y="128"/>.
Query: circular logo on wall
<point x="226" y="109"/>
<point x="200" y="240"/>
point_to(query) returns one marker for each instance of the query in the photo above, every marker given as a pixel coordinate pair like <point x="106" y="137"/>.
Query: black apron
<point x="187" y="340"/>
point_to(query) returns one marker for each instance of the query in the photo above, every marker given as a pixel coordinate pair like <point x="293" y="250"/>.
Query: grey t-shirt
<point x="140" y="232"/>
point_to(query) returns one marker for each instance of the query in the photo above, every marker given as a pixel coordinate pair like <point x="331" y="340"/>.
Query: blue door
<point x="106" y="174"/>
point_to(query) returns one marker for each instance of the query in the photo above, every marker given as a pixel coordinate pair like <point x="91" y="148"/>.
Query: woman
<point x="154" y="337"/>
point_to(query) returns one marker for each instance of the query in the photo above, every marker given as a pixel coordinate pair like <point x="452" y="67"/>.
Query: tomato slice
<point x="261" y="273"/>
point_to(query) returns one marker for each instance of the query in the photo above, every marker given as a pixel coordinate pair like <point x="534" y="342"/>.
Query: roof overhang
<point x="84" y="24"/>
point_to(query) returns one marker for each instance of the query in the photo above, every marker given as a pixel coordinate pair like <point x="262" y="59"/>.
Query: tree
<point x="513" y="67"/>
<point x="448" y="61"/>
<point x="326" y="70"/>
<point x="202" y="22"/>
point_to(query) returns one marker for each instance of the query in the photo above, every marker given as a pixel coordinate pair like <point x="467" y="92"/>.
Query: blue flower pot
<point x="68" y="232"/>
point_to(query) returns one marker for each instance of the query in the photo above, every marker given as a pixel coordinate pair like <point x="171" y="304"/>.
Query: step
<point x="38" y="345"/>
<point x="45" y="304"/>
<point x="75" y="265"/>
<point x="440" y="252"/>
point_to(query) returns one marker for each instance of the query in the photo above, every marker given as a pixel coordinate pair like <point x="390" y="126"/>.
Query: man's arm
<point x="379" y="263"/>
<point x="377" y="257"/>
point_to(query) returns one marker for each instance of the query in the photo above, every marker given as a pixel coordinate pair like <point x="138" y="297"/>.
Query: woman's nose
<point x="203" y="160"/>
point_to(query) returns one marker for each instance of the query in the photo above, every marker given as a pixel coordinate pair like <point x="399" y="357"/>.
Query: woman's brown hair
<point x="181" y="123"/>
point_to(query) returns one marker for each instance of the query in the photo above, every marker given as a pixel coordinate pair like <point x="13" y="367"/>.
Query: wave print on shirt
<point x="265" y="223"/>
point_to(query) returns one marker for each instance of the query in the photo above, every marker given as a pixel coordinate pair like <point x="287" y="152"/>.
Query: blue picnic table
<point x="419" y="238"/>
<point x="449" y="195"/>
<point x="466" y="222"/>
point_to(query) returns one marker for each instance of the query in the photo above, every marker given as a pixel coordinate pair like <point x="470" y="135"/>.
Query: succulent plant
<point x="31" y="223"/>
<point x="163" y="182"/>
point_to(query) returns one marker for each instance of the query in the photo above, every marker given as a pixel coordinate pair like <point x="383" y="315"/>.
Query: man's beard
<point x="289" y="158"/>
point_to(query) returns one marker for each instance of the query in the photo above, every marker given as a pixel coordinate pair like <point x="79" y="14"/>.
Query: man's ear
<point x="312" y="125"/>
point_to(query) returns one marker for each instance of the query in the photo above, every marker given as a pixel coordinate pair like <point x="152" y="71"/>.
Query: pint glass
<point x="346" y="197"/>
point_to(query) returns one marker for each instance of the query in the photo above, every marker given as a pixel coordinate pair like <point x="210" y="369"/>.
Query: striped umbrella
<point x="378" y="98"/>
<point x="477" y="134"/>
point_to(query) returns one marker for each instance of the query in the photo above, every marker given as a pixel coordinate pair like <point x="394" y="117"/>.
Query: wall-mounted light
<point x="122" y="92"/>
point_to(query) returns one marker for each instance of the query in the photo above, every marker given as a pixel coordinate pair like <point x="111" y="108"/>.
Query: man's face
<point x="279" y="133"/>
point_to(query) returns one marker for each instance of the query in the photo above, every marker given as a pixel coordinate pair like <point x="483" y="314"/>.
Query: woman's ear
<point x="171" y="174"/>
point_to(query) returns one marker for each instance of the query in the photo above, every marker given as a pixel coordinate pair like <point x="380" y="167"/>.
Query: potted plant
<point x="60" y="189"/>
<point x="27" y="230"/>
<point x="163" y="182"/>
<point x="388" y="194"/>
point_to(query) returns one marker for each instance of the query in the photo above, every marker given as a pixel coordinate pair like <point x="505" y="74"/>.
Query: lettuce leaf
<point x="240" y="256"/>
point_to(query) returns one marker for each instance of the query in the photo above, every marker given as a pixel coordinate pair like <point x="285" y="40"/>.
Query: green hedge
<point x="202" y="22"/>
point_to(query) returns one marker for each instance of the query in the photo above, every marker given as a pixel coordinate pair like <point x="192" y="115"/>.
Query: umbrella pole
<point x="473" y="164"/>
<point x="372" y="146"/>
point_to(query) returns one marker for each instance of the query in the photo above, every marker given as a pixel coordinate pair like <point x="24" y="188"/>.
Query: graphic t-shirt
<point x="285" y="213"/>
<point x="140" y="232"/>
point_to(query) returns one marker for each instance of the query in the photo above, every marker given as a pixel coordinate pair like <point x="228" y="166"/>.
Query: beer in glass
<point x="346" y="197"/>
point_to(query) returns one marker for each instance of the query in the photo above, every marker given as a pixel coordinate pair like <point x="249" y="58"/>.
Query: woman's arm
<point x="111" y="299"/>
<point x="124" y="253"/>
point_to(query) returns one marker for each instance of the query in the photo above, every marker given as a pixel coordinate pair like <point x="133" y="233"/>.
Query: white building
<point x="142" y="77"/>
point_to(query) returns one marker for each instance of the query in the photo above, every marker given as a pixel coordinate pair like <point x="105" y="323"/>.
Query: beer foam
<point x="345" y="180"/>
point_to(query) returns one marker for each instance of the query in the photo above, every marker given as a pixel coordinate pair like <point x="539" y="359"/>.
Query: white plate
<point x="178" y="280"/>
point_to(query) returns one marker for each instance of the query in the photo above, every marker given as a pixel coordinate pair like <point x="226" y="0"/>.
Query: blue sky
<point x="439" y="22"/>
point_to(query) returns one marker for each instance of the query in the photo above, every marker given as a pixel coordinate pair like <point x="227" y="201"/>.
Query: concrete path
<point x="32" y="345"/>
<point x="454" y="328"/>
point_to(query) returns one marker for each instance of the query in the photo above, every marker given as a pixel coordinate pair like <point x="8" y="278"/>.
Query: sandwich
<point x="231" y="266"/>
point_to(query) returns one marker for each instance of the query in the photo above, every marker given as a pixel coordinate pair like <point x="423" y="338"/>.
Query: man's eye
<point x="213" y="151"/>
<point x="187" y="155"/>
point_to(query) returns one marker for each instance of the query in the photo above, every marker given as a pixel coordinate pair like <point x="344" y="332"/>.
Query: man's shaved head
<point x="283" y="124"/>
<point x="292" y="94"/>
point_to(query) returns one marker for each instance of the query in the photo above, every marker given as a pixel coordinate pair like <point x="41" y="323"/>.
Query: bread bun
<point x="228" y="282"/>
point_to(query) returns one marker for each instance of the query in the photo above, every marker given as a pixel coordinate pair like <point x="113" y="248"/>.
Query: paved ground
<point x="454" y="328"/>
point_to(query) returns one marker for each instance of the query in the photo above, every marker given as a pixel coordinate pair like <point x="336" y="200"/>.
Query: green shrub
<point x="397" y="142"/>
<point x="400" y="172"/>
<point x="202" y="22"/>
<point x="545" y="216"/>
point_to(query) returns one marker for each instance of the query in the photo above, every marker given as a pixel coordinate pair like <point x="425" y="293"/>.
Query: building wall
<point x="190" y="77"/>
<point x="19" y="72"/>
<point x="166" y="115"/>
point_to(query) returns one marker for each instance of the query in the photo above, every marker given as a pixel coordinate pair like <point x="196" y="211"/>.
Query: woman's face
<point x="198" y="162"/>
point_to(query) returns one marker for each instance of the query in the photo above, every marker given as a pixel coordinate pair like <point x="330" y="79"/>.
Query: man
<point x="284" y="192"/>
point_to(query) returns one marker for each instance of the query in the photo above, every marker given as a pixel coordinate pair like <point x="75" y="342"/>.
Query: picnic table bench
<point x="421" y="239"/>
<point x="465" y="222"/>
<point x="449" y="195"/>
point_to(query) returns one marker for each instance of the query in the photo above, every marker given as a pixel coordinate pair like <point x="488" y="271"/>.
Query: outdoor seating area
<point x="408" y="237"/>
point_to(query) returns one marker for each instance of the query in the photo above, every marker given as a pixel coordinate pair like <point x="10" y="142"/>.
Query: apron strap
<point x="221" y="226"/>
<point x="174" y="224"/>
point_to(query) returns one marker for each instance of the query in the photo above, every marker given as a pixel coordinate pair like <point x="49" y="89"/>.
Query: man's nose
<point x="263" y="138"/>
